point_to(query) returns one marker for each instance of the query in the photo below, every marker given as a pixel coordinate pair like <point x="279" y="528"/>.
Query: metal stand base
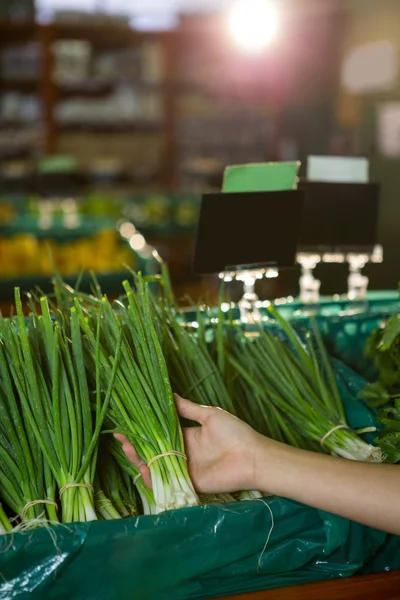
<point x="309" y="286"/>
<point x="249" y="304"/>
<point x="357" y="282"/>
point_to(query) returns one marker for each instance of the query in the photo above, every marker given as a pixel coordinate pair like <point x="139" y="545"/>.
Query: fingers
<point x="130" y="451"/>
<point x="145" y="473"/>
<point x="191" y="411"/>
<point x="132" y="455"/>
<point x="120" y="437"/>
<point x="134" y="458"/>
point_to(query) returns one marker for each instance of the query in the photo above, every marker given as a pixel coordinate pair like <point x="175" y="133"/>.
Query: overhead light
<point x="254" y="23"/>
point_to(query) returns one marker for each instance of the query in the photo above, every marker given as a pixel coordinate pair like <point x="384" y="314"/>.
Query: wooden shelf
<point x="11" y="33"/>
<point x="107" y="35"/>
<point x="383" y="586"/>
<point x="37" y="125"/>
<point x="97" y="88"/>
<point x="104" y="36"/>
<point x="20" y="84"/>
<point x="237" y="77"/>
<point x="121" y="128"/>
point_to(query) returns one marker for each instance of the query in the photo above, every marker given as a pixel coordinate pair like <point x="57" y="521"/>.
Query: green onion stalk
<point x="105" y="508"/>
<point x="142" y="404"/>
<point x="254" y="406"/>
<point x="27" y="485"/>
<point x="5" y="525"/>
<point x="194" y="372"/>
<point x="128" y="493"/>
<point x="113" y="483"/>
<point x="56" y="402"/>
<point x="298" y="381"/>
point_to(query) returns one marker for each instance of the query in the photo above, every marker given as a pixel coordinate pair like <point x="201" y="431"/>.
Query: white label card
<point x="338" y="169"/>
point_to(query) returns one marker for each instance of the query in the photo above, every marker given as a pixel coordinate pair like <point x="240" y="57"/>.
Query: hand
<point x="226" y="455"/>
<point x="221" y="452"/>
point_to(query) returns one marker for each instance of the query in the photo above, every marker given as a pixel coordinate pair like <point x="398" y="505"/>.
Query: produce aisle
<point x="185" y="213"/>
<point x="256" y="536"/>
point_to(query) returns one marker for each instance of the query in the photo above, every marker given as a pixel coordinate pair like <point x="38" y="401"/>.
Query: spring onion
<point x="142" y="403"/>
<point x="300" y="384"/>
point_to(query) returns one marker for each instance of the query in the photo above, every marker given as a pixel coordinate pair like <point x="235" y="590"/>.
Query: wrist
<point x="272" y="462"/>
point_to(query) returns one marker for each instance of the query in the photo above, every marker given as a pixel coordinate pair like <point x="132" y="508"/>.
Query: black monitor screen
<point x="339" y="216"/>
<point x="248" y="229"/>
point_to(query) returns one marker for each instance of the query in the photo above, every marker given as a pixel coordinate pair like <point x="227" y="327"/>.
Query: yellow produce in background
<point x="6" y="212"/>
<point x="26" y="255"/>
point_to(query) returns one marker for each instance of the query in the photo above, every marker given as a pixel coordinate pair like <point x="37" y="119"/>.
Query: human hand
<point x="221" y="452"/>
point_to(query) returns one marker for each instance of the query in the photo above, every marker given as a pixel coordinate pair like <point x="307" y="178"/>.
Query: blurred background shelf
<point x="115" y="127"/>
<point x="196" y="102"/>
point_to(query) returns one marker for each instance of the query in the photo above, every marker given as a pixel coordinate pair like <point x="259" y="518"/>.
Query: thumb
<point x="191" y="411"/>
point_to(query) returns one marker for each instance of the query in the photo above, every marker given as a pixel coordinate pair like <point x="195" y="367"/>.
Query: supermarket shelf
<point x="91" y="89"/>
<point x="29" y="225"/>
<point x="129" y="128"/>
<point x="17" y="32"/>
<point x="87" y="88"/>
<point x="23" y="85"/>
<point x="94" y="88"/>
<point x="85" y="180"/>
<point x="110" y="283"/>
<point x="31" y="125"/>
<point x="103" y="35"/>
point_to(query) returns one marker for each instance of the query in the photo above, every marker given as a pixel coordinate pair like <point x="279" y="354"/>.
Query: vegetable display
<point x="79" y="368"/>
<point x="295" y="383"/>
<point x="383" y="348"/>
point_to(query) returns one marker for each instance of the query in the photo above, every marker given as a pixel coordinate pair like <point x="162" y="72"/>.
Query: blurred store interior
<point x="116" y="116"/>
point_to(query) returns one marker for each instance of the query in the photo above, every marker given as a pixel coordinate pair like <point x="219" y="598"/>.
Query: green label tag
<point x="58" y="163"/>
<point x="262" y="177"/>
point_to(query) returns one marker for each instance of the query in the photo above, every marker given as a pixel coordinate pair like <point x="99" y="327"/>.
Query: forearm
<point x="363" y="492"/>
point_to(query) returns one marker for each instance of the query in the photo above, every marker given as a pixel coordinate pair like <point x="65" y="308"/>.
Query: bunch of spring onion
<point x="142" y="404"/>
<point x="27" y="485"/>
<point x="23" y="481"/>
<point x="295" y="382"/>
<point x="89" y="305"/>
<point x="48" y="369"/>
<point x="116" y="479"/>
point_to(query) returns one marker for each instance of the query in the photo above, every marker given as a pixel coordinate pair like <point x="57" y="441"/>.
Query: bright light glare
<point x="127" y="230"/>
<point x="254" y="23"/>
<point x="137" y="242"/>
<point x="271" y="273"/>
